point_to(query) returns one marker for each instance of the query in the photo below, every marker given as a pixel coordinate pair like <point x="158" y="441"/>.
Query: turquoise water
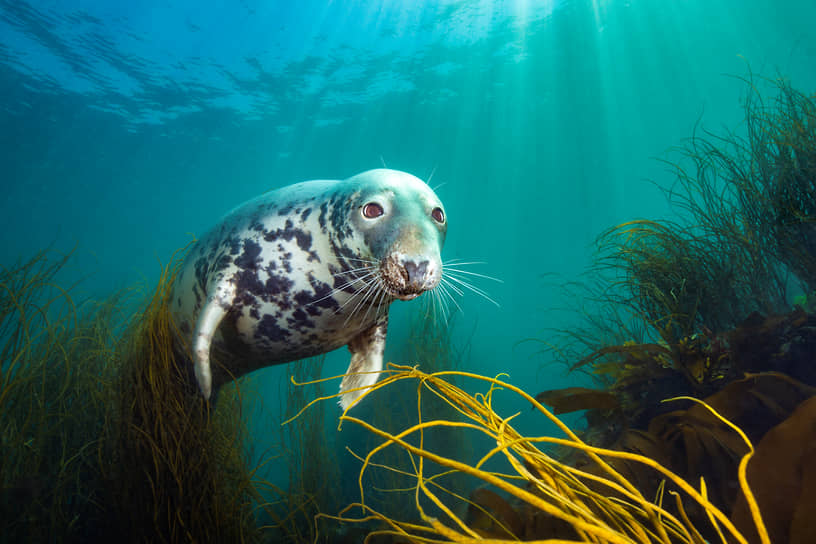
<point x="126" y="128"/>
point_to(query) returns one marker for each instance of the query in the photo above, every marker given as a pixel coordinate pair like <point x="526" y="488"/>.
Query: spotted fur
<point x="279" y="278"/>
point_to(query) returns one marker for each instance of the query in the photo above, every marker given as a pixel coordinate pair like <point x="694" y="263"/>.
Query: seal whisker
<point x="353" y="270"/>
<point x="355" y="280"/>
<point x="455" y="271"/>
<point x="457" y="261"/>
<point x="428" y="181"/>
<point x="445" y="298"/>
<point x="448" y="284"/>
<point x="372" y="294"/>
<point x="370" y="261"/>
<point x="471" y="287"/>
<point x="431" y="306"/>
<point x="354" y="295"/>
<point x="342" y="287"/>
<point x="440" y="306"/>
<point x="367" y="291"/>
<point x="381" y="298"/>
<point x="444" y="311"/>
<point x="445" y="291"/>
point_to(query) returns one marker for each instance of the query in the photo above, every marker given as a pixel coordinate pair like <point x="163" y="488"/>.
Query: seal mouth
<point x="400" y="291"/>
<point x="406" y="279"/>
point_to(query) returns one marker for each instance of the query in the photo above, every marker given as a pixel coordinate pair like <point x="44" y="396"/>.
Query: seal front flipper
<point x="218" y="304"/>
<point x="366" y="356"/>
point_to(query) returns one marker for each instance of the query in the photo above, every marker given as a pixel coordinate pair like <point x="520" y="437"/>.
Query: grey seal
<point x="307" y="269"/>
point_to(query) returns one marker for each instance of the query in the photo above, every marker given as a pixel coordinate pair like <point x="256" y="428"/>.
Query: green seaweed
<point x="54" y="388"/>
<point x="700" y="307"/>
<point x="101" y="435"/>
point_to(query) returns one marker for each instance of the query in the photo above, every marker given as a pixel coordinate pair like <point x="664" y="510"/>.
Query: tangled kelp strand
<point x="600" y="507"/>
<point x="101" y="436"/>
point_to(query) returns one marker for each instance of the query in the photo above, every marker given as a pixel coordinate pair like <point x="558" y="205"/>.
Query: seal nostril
<point x="416" y="272"/>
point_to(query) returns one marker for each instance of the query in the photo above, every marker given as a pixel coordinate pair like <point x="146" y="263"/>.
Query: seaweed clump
<point x="101" y="437"/>
<point x="172" y="449"/>
<point x="701" y="306"/>
<point x="529" y="495"/>
<point x="54" y="389"/>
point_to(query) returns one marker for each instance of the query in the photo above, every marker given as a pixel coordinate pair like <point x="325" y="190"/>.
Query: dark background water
<point x="126" y="128"/>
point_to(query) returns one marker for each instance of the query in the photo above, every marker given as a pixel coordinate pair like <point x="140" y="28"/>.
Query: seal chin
<point x="408" y="296"/>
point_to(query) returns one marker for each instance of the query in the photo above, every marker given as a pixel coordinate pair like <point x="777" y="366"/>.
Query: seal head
<point x="306" y="269"/>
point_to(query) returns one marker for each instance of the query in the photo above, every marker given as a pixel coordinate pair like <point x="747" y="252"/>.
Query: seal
<point x="307" y="269"/>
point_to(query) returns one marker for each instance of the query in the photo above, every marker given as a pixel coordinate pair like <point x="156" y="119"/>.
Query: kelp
<point x="171" y="449"/>
<point x="700" y="306"/>
<point x="586" y="506"/>
<point x="782" y="475"/>
<point x="571" y="399"/>
<point x="319" y="459"/>
<point x="694" y="444"/>
<point x="694" y="304"/>
<point x="748" y="206"/>
<point x="54" y="380"/>
<point x="102" y="437"/>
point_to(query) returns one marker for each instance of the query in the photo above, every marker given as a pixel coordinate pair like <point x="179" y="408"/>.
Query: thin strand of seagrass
<point x="436" y="423"/>
<point x="700" y="499"/>
<point x="716" y="525"/>
<point x="623" y="508"/>
<point x="551" y="488"/>
<point x="556" y="495"/>
<point x="397" y="373"/>
<point x="400" y="527"/>
<point x="524" y="495"/>
<point x="604" y="504"/>
<point x="435" y="527"/>
<point x="688" y="536"/>
<point x="698" y="538"/>
<point x="595" y="453"/>
<point x="432" y="480"/>
<point x="601" y="502"/>
<point x="421" y="479"/>
<point x="557" y="474"/>
<point x="756" y="515"/>
<point x="402" y="372"/>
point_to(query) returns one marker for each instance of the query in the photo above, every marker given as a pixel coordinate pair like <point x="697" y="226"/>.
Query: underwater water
<point x="126" y="129"/>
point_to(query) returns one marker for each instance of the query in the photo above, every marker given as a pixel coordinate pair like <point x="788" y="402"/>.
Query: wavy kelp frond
<point x="598" y="506"/>
<point x="176" y="460"/>
<point x="639" y="376"/>
<point x="783" y="477"/>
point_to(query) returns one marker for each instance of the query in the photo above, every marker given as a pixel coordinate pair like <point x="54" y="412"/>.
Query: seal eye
<point x="372" y="210"/>
<point x="438" y="215"/>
